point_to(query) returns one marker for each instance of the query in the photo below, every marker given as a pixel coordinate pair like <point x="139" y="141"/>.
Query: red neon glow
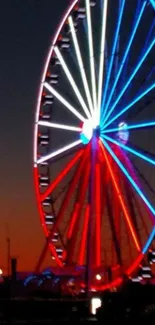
<point x="111" y="285"/>
<point x="61" y="175"/>
<point x="127" y="217"/>
<point x="73" y="220"/>
<point x="36" y="178"/>
<point x="82" y="189"/>
<point x="135" y="264"/>
<point x="84" y="236"/>
<point x="52" y="248"/>
<point x="98" y="215"/>
<point x="68" y="195"/>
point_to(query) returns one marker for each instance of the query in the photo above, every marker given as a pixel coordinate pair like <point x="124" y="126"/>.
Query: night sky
<point x="26" y="30"/>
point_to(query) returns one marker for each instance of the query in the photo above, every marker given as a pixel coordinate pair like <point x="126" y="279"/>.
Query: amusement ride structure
<point x="94" y="134"/>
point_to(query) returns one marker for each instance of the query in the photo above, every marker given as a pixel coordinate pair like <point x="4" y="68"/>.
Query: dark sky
<point x="26" y="30"/>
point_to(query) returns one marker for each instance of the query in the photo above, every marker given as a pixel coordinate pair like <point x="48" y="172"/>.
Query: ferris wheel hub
<point x="88" y="131"/>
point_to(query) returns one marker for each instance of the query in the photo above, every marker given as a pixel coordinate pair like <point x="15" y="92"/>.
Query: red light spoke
<point x="73" y="220"/>
<point x="61" y="175"/>
<point x="69" y="192"/>
<point x="82" y="189"/>
<point x="98" y="215"/>
<point x="84" y="236"/>
<point x="127" y="217"/>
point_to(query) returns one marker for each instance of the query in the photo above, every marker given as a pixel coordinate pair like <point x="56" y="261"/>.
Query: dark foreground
<point x="18" y="311"/>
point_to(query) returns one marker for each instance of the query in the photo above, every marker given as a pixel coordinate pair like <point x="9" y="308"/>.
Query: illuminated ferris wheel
<point x="94" y="140"/>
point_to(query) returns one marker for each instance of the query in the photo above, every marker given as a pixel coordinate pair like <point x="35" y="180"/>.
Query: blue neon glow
<point x="127" y="148"/>
<point x="112" y="56"/>
<point x="152" y="3"/>
<point x="129" y="177"/>
<point x="149" y="35"/>
<point x="133" y="102"/>
<point x="148" y="243"/>
<point x="131" y="77"/>
<point x="130" y="127"/>
<point x="124" y="59"/>
<point x="29" y="278"/>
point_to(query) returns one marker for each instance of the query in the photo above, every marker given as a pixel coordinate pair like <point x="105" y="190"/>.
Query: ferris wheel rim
<point x="36" y="162"/>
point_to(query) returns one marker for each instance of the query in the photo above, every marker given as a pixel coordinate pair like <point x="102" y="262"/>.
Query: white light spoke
<point x="59" y="151"/>
<point x="102" y="56"/>
<point x="60" y="126"/>
<point x="81" y="65"/>
<point x="63" y="101"/>
<point x="91" y="54"/>
<point x="71" y="80"/>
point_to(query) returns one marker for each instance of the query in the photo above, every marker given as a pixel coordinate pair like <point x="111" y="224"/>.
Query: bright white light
<point x="102" y="56"/>
<point x="59" y="126"/>
<point x="98" y="277"/>
<point x="64" y="101"/>
<point x="87" y="132"/>
<point x="123" y="133"/>
<point x="72" y="82"/>
<point x="81" y="66"/>
<point x="59" y="151"/>
<point x="1" y="272"/>
<point x="91" y="53"/>
<point x="44" y="76"/>
<point x="95" y="303"/>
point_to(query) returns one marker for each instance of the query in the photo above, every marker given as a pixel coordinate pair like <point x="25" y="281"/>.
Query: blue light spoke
<point x="123" y="169"/>
<point x="131" y="150"/>
<point x="131" y="78"/>
<point x="152" y="3"/>
<point x="130" y="127"/>
<point x="132" y="103"/>
<point x="124" y="58"/>
<point x="112" y="56"/>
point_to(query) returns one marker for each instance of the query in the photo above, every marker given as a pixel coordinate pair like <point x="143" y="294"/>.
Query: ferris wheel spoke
<point x="124" y="60"/>
<point x="72" y="82"/>
<point x="131" y="104"/>
<point x="75" y="220"/>
<point x="115" y="243"/>
<point x="70" y="190"/>
<point x="131" y="180"/>
<point x="64" y="101"/>
<point x="131" y="127"/>
<point x="112" y="57"/>
<point x="60" y="126"/>
<point x="120" y="198"/>
<point x="131" y="150"/>
<point x="61" y="175"/>
<point x="102" y="57"/>
<point x="59" y="151"/>
<point x="137" y="68"/>
<point x="151" y="189"/>
<point x="84" y="236"/>
<point x="152" y="3"/>
<point x="98" y="213"/>
<point x="91" y="54"/>
<point x="133" y="170"/>
<point x="81" y="65"/>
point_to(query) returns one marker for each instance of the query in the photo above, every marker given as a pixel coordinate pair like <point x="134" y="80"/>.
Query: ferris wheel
<point x="94" y="140"/>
